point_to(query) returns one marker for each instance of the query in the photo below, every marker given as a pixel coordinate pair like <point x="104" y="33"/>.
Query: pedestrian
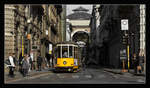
<point x="15" y="61"/>
<point x="47" y="63"/>
<point x="135" y="63"/>
<point x="83" y="63"/>
<point x="11" y="66"/>
<point x="28" y="59"/>
<point x="31" y="61"/>
<point x="25" y="65"/>
<point x="20" y="63"/>
<point x="141" y="62"/>
<point x="39" y="61"/>
<point x="48" y="59"/>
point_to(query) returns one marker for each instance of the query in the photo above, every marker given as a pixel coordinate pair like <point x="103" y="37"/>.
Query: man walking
<point x="31" y="60"/>
<point x="39" y="61"/>
<point x="20" y="63"/>
<point x="11" y="66"/>
<point x="135" y="63"/>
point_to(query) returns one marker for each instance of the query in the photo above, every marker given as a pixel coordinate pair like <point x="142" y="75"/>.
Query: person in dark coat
<point x="25" y="66"/>
<point x="39" y="61"/>
<point x="135" y="63"/>
<point x="20" y="63"/>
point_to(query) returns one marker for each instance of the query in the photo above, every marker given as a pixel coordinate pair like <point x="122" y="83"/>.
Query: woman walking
<point x="25" y="66"/>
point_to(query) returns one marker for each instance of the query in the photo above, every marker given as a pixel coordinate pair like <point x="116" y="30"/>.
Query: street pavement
<point x="18" y="75"/>
<point x="87" y="76"/>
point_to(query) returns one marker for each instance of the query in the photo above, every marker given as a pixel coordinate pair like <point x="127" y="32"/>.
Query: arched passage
<point x="80" y="36"/>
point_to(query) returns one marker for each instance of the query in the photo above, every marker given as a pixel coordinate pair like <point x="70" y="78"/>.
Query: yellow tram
<point x="67" y="57"/>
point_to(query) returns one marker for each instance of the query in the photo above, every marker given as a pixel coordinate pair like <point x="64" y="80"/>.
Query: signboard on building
<point x="34" y="47"/>
<point x="50" y="48"/>
<point x="124" y="24"/>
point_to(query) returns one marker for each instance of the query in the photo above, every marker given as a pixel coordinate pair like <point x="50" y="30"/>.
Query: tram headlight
<point x="64" y="62"/>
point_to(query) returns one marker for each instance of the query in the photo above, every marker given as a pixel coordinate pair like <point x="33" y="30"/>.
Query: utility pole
<point x="28" y="31"/>
<point x="124" y="27"/>
<point x="22" y="46"/>
<point x="128" y="52"/>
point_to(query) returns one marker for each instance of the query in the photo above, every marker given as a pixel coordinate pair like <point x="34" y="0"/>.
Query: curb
<point x="138" y="74"/>
<point x="113" y="71"/>
<point x="108" y="70"/>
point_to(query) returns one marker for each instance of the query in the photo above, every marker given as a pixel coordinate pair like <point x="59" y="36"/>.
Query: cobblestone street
<point x="89" y="76"/>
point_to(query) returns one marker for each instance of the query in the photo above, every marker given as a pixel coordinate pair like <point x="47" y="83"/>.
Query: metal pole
<point x="22" y="47"/>
<point x="128" y="58"/>
<point x="28" y="50"/>
<point x="128" y="52"/>
<point x="127" y="35"/>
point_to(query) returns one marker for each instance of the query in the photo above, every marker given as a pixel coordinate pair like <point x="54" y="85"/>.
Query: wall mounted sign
<point x="124" y="24"/>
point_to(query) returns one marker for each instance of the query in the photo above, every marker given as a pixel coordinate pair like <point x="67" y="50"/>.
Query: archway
<point x="80" y="37"/>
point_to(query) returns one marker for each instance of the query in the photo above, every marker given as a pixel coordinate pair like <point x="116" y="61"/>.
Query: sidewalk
<point x="119" y="71"/>
<point x="19" y="75"/>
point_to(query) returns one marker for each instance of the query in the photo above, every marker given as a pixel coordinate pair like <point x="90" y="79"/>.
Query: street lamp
<point x="28" y="35"/>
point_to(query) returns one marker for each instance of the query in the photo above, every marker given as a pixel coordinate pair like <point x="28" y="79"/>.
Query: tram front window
<point x="65" y="52"/>
<point x="58" y="52"/>
<point x="70" y="52"/>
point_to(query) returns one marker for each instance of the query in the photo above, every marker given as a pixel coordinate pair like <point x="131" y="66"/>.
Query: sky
<point x="71" y="7"/>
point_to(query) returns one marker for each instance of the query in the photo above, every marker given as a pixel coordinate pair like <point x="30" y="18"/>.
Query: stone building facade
<point x="143" y="34"/>
<point x="9" y="30"/>
<point x="107" y="40"/>
<point x="52" y="29"/>
<point x="142" y="28"/>
<point x="80" y="24"/>
<point x="29" y="28"/>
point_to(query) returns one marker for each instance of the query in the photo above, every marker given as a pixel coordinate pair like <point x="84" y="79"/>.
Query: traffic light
<point x="124" y="40"/>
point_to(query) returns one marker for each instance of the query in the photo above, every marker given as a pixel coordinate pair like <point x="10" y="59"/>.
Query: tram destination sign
<point x="124" y="24"/>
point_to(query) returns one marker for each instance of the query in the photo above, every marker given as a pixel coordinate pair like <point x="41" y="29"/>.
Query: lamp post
<point x="28" y="36"/>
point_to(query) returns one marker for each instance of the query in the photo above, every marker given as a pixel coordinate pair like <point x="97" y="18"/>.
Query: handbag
<point x="7" y="62"/>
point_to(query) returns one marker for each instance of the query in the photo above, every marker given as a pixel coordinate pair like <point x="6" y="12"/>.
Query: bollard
<point x="123" y="70"/>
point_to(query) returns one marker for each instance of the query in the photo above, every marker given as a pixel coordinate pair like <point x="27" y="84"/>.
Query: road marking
<point x="75" y="76"/>
<point x="88" y="76"/>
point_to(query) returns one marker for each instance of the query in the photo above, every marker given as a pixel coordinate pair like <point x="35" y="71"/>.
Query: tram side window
<point x="65" y="52"/>
<point x="58" y="52"/>
<point x="70" y="52"/>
